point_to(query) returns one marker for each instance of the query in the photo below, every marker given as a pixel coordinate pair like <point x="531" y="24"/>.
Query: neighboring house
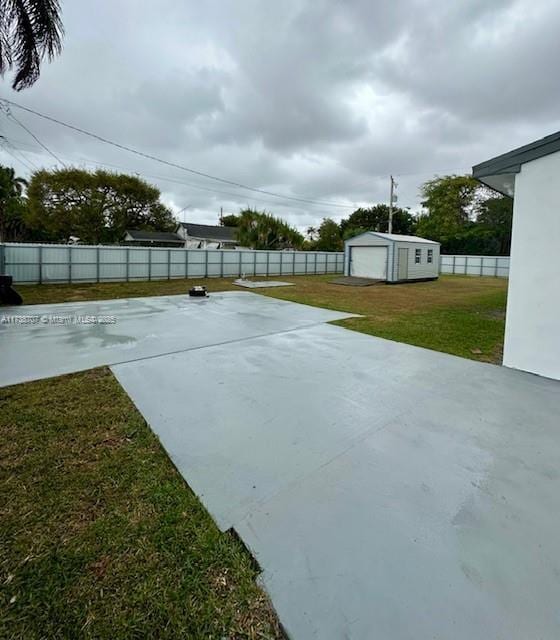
<point x="531" y="176"/>
<point x="391" y="257"/>
<point x="153" y="239"/>
<point x="207" y="236"/>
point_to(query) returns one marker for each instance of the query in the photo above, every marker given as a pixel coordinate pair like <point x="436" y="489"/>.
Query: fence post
<point x="294" y="263"/>
<point x="466" y="264"/>
<point x="2" y="259"/>
<point x="97" y="264"/>
<point x="240" y="264"/>
<point x="149" y="263"/>
<point x="481" y="266"/>
<point x="496" y="268"/>
<point x="315" y="264"/>
<point x="40" y="264"/>
<point x="186" y="263"/>
<point x="255" y="262"/>
<point x="454" y="264"/>
<point x="206" y="263"/>
<point x="281" y="256"/>
<point x="306" y="256"/>
<point x="221" y="263"/>
<point x="70" y="264"/>
<point x="169" y="264"/>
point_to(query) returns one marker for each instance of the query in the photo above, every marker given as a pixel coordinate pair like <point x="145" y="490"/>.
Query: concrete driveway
<point x="40" y="341"/>
<point x="386" y="491"/>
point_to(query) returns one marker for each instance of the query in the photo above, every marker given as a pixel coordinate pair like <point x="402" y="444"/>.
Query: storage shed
<point x="391" y="257"/>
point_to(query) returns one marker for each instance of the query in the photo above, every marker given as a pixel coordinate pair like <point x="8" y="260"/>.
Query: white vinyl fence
<point x="497" y="266"/>
<point x="45" y="263"/>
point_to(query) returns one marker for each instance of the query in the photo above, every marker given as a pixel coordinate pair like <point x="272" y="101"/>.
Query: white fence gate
<point x="30" y="263"/>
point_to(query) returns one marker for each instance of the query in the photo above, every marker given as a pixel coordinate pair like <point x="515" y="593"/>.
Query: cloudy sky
<point x="319" y="100"/>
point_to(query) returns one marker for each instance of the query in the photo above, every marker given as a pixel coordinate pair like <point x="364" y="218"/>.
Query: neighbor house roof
<point x="154" y="236"/>
<point x="395" y="237"/>
<point x="499" y="172"/>
<point x="209" y="232"/>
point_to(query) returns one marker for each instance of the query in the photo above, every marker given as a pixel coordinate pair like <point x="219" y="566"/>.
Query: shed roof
<point x="154" y="236"/>
<point x="499" y="172"/>
<point x="209" y="231"/>
<point x="395" y="237"/>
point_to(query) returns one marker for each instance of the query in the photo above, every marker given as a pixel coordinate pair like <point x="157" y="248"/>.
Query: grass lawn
<point x="456" y="314"/>
<point x="100" y="537"/>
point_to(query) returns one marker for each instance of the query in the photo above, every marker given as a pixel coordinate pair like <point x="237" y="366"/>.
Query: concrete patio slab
<point x="385" y="490"/>
<point x="261" y="284"/>
<point x="40" y="341"/>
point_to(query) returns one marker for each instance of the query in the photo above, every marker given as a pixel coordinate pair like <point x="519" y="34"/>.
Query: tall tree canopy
<point x="376" y="218"/>
<point x="328" y="237"/>
<point x="97" y="207"/>
<point x="465" y="216"/>
<point x="494" y="218"/>
<point x="260" y="230"/>
<point x="30" y="30"/>
<point x="229" y="220"/>
<point x="450" y="202"/>
<point x="11" y="205"/>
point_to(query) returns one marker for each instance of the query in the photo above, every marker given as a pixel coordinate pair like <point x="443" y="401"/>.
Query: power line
<point x="4" y="145"/>
<point x="236" y="196"/>
<point x="11" y="116"/>
<point x="17" y="153"/>
<point x="383" y="176"/>
<point x="172" y="164"/>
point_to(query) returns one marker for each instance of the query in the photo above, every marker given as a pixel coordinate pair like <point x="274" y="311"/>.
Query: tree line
<point x="97" y="207"/>
<point x="457" y="211"/>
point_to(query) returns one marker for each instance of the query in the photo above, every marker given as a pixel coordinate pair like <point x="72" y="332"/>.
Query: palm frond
<point x="30" y="30"/>
<point x="5" y="49"/>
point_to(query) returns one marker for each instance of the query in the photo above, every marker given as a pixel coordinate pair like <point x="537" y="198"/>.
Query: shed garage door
<point x="368" y="262"/>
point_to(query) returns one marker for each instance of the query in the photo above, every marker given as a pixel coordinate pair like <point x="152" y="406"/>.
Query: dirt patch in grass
<point x="101" y="538"/>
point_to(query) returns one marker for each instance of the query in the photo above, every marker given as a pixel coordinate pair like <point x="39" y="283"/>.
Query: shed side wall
<point x="417" y="271"/>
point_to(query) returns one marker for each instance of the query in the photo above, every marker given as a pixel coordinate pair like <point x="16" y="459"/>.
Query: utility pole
<point x="392" y="200"/>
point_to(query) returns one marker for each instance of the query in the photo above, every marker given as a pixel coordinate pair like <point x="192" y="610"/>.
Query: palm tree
<point x="30" y="30"/>
<point x="11" y="188"/>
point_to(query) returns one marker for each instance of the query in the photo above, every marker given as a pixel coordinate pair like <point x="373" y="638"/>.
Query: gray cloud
<point x="322" y="99"/>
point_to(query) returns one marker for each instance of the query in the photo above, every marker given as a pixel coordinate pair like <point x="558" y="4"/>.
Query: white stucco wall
<point x="532" y="340"/>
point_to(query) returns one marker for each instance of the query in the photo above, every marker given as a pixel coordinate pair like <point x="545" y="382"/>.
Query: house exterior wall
<point x="417" y="271"/>
<point x="532" y="338"/>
